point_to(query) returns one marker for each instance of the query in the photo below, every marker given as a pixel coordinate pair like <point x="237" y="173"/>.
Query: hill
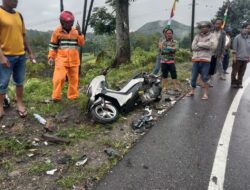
<point x="180" y="29"/>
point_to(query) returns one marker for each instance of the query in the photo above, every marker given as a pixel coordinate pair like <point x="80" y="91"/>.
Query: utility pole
<point x="85" y="23"/>
<point x="61" y="6"/>
<point x="192" y="23"/>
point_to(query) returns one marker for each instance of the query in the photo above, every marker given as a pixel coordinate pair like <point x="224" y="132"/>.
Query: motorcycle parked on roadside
<point x="105" y="104"/>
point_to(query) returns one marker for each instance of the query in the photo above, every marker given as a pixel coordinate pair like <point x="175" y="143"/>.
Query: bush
<point x="183" y="55"/>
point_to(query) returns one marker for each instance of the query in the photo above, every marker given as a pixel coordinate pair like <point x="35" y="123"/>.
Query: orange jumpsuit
<point x="64" y="49"/>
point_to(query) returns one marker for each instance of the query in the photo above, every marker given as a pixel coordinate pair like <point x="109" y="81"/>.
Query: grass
<point x="13" y="146"/>
<point x="75" y="177"/>
<point x="39" y="168"/>
<point x="82" y="133"/>
<point x="120" y="145"/>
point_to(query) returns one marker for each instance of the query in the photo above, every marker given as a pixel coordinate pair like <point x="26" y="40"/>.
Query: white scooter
<point x="105" y="104"/>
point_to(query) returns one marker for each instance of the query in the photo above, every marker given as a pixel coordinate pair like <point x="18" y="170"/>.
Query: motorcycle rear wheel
<point x="105" y="115"/>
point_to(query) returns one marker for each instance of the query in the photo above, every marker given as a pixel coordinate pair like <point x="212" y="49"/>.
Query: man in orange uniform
<point x="63" y="51"/>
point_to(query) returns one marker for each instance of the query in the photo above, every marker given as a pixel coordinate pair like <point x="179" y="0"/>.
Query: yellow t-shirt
<point x="12" y="30"/>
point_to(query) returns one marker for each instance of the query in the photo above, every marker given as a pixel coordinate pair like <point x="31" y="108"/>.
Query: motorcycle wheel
<point x="104" y="115"/>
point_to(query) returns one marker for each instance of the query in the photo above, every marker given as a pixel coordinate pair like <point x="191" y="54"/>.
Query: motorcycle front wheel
<point x="107" y="114"/>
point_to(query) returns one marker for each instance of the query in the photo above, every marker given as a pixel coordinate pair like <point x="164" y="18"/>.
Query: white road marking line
<point x="220" y="161"/>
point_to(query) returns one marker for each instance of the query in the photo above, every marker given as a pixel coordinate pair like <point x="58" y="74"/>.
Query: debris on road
<point x="82" y="161"/>
<point x="51" y="172"/>
<point x="55" y="139"/>
<point x="40" y="119"/>
<point x="112" y="153"/>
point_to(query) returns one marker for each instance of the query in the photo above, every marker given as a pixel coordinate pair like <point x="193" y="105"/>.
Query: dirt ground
<point x="26" y="156"/>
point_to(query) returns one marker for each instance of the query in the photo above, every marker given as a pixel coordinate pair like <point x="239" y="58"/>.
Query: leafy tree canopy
<point x="102" y="21"/>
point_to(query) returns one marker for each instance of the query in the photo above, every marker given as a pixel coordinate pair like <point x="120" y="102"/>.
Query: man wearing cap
<point x="202" y="46"/>
<point x="241" y="56"/>
<point x="168" y="48"/>
<point x="63" y="51"/>
<point x="13" y="45"/>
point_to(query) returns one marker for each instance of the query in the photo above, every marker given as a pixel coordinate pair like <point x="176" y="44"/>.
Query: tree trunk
<point x="122" y="32"/>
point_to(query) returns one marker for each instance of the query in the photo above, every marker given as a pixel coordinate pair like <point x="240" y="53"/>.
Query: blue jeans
<point x="16" y="69"/>
<point x="201" y="68"/>
<point x="157" y="65"/>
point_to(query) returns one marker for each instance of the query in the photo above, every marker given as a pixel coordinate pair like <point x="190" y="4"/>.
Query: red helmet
<point x="67" y="16"/>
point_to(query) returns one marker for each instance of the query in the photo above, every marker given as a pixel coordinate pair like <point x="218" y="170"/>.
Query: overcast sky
<point x="43" y="14"/>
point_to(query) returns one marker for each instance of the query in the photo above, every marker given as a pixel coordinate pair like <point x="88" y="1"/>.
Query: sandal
<point x="204" y="97"/>
<point x="22" y="114"/>
<point x="190" y="94"/>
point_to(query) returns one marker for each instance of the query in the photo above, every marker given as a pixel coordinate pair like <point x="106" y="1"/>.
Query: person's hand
<point x="161" y="45"/>
<point x="4" y="61"/>
<point x="51" y="61"/>
<point x="78" y="28"/>
<point x="32" y="58"/>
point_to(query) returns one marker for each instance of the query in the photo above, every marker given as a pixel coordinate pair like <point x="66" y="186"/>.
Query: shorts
<point x="201" y="68"/>
<point x="166" y="68"/>
<point x="16" y="69"/>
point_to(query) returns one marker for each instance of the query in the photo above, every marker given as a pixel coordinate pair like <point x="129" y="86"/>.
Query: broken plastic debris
<point x="40" y="119"/>
<point x="51" y="172"/>
<point x="30" y="155"/>
<point x="3" y="126"/>
<point x="161" y="111"/>
<point x="45" y="143"/>
<point x="173" y="102"/>
<point x="82" y="161"/>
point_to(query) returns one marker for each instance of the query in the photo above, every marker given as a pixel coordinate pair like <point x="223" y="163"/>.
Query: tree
<point x="238" y="13"/>
<point x="123" y="53"/>
<point x="102" y="21"/>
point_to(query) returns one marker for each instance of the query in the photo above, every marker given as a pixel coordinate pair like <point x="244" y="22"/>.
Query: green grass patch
<point x="75" y="133"/>
<point x="13" y="145"/>
<point x="116" y="144"/>
<point x="39" y="168"/>
<point x="75" y="177"/>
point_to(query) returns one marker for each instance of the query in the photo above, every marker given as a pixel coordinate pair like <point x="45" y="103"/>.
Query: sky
<point x="43" y="14"/>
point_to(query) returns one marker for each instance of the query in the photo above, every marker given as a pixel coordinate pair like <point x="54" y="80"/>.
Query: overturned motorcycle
<point x="105" y="104"/>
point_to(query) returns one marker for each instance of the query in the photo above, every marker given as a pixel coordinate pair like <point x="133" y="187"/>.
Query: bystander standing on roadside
<point x="241" y="56"/>
<point x="219" y="36"/>
<point x="13" y="45"/>
<point x="202" y="46"/>
<point x="168" y="48"/>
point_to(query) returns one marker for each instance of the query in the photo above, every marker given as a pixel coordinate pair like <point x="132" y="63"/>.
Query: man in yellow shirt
<point x="13" y="45"/>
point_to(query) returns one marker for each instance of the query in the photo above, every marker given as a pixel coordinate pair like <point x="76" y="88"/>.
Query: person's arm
<point x="26" y="43"/>
<point x="28" y="49"/>
<point x="80" y="38"/>
<point x="53" y="47"/>
<point x="194" y="44"/>
<point x="3" y="59"/>
<point x="235" y="47"/>
<point x="204" y="45"/>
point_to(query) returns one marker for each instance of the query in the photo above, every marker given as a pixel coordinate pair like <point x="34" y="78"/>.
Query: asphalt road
<point x="179" y="152"/>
